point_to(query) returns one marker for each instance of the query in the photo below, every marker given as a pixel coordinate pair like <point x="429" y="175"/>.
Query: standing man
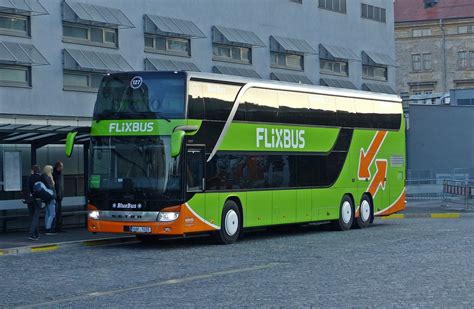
<point x="34" y="204"/>
<point x="58" y="186"/>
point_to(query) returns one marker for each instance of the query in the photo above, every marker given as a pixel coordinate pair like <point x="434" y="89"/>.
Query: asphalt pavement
<point x="394" y="263"/>
<point x="71" y="235"/>
<point x="17" y="242"/>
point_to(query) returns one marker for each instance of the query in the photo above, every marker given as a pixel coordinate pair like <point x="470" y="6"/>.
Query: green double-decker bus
<point x="179" y="153"/>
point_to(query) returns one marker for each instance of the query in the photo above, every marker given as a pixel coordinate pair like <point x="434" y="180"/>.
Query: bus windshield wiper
<point x="161" y="116"/>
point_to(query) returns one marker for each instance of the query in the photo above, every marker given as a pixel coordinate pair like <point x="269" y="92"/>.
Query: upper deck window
<point x="141" y="95"/>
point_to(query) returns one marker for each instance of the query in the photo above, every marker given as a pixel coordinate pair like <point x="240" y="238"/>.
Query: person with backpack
<point x="34" y="203"/>
<point x="49" y="198"/>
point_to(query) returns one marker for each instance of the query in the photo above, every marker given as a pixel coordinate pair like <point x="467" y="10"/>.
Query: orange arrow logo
<point x="379" y="178"/>
<point x="367" y="157"/>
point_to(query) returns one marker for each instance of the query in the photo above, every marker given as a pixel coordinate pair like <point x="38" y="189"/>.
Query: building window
<point x="333" y="5"/>
<point x="334" y="67"/>
<point x="15" y="76"/>
<point x="427" y="62"/>
<point x="83" y="34"/>
<point x="375" y="72"/>
<point x="167" y="45"/>
<point x="423" y="92"/>
<point x="14" y="25"/>
<point x="82" y="81"/>
<point x="463" y="60"/>
<point x="287" y="61"/>
<point x="374" y="13"/>
<point x="421" y="62"/>
<point x="466" y="60"/>
<point x="297" y="1"/>
<point x="465" y="29"/>
<point x="421" y="32"/>
<point x="231" y="53"/>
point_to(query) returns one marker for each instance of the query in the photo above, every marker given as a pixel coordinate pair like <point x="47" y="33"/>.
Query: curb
<point x="70" y="244"/>
<point x="445" y="215"/>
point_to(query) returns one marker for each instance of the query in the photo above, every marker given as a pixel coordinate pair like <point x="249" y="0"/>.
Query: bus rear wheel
<point x="365" y="212"/>
<point x="231" y="224"/>
<point x="346" y="214"/>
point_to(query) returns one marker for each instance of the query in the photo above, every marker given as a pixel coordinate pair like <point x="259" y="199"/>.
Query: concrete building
<point x="434" y="47"/>
<point x="53" y="54"/>
<point x="435" y="55"/>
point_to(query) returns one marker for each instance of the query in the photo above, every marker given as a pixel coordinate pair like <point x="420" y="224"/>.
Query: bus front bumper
<point x="183" y="221"/>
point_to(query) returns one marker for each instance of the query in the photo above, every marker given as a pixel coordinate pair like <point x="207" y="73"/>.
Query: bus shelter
<point x="14" y="176"/>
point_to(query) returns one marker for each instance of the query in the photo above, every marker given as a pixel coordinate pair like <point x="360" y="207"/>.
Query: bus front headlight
<point x="94" y="214"/>
<point x="168" y="216"/>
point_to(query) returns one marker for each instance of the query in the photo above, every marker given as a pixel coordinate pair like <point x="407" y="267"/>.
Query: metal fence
<point x="458" y="193"/>
<point x="452" y="189"/>
<point x="424" y="189"/>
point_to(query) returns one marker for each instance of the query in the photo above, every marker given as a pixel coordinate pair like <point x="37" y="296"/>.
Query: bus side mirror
<point x="176" y="142"/>
<point x="70" y="139"/>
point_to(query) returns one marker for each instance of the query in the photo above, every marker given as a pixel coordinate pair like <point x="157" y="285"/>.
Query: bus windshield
<point x="135" y="164"/>
<point x="141" y="95"/>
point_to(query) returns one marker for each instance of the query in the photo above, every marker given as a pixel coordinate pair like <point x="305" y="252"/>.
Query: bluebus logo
<point x="280" y="138"/>
<point x="131" y="127"/>
<point x="126" y="206"/>
<point x="136" y="82"/>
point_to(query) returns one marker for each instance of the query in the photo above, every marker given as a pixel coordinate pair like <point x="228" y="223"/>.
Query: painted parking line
<point x="151" y="285"/>
<point x="428" y="216"/>
<point x="445" y="216"/>
<point x="64" y="245"/>
<point x="394" y="216"/>
<point x="45" y="248"/>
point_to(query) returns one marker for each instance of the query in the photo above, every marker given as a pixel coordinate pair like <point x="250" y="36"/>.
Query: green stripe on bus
<point x="278" y="138"/>
<point x="140" y="127"/>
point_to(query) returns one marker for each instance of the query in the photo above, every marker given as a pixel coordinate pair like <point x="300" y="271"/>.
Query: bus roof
<point x="324" y="90"/>
<point x="299" y="87"/>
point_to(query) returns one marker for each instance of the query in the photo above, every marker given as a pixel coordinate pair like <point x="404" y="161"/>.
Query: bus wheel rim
<point x="231" y="222"/>
<point x="346" y="212"/>
<point x="365" y="210"/>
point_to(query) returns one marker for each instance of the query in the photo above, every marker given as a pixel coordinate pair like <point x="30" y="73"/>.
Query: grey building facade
<point x="53" y="54"/>
<point x="440" y="141"/>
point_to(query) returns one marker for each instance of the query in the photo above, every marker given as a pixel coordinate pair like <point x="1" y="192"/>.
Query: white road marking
<point x="150" y="285"/>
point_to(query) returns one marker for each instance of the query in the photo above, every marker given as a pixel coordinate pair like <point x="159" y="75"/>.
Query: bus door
<point x="195" y="162"/>
<point x="206" y="205"/>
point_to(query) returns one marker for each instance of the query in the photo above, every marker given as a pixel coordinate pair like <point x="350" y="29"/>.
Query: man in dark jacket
<point x="34" y="204"/>
<point x="58" y="186"/>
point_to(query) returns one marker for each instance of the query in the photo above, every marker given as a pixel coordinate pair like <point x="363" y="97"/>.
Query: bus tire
<point x="365" y="212"/>
<point x="231" y="224"/>
<point x="346" y="214"/>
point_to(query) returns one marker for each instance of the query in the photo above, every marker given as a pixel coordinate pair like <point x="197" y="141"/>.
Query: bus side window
<point x="195" y="101"/>
<point x="261" y="105"/>
<point x="195" y="169"/>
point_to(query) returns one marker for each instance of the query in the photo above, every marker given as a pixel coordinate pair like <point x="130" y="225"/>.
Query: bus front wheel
<point x="346" y="214"/>
<point x="231" y="224"/>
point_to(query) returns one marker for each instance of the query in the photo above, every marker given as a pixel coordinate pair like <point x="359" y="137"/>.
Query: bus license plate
<point x="140" y="229"/>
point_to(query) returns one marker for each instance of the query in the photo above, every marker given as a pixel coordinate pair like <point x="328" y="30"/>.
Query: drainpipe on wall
<point x="443" y="34"/>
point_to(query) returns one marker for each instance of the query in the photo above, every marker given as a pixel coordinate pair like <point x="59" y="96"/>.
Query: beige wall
<point x="406" y="45"/>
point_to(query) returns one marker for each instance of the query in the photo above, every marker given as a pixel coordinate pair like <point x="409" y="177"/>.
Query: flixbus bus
<point x="176" y="153"/>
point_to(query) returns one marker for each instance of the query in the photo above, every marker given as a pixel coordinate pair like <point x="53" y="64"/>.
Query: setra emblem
<point x="136" y="82"/>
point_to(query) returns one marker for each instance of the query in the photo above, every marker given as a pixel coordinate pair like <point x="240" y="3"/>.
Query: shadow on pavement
<point x="255" y="235"/>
